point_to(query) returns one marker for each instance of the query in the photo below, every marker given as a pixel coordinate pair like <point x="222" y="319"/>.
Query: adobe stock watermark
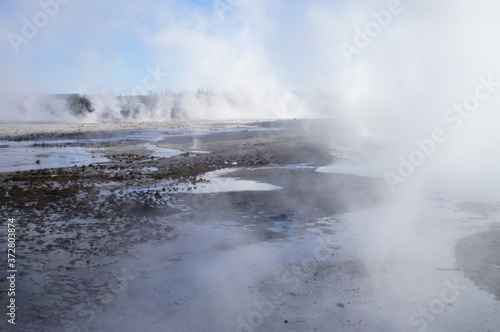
<point x="454" y="116"/>
<point x="292" y="278"/>
<point x="436" y="307"/>
<point x="150" y="82"/>
<point x="31" y="27"/>
<point x="223" y="8"/>
<point x="363" y="36"/>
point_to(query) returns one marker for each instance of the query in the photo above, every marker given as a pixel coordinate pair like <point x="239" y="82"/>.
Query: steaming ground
<point x="238" y="226"/>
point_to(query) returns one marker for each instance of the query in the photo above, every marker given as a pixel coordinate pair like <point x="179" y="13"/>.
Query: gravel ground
<point x="78" y="225"/>
<point x="75" y="222"/>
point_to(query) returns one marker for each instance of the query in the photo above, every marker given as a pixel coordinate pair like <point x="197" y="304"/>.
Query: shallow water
<point x="22" y="156"/>
<point x="224" y="275"/>
<point x="211" y="277"/>
<point x="219" y="184"/>
<point x="359" y="170"/>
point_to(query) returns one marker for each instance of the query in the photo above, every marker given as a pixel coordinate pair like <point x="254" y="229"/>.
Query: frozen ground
<point x="260" y="228"/>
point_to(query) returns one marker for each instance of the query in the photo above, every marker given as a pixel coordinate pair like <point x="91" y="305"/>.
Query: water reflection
<point x="369" y="171"/>
<point x="22" y="156"/>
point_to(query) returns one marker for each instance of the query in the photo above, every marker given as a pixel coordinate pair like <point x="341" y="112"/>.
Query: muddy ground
<point x="76" y="223"/>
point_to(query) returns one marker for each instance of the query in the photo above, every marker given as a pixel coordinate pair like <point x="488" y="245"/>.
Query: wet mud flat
<point x="181" y="227"/>
<point x="76" y="224"/>
<point x="479" y="256"/>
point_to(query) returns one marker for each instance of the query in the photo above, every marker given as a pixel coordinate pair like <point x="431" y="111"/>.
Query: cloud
<point x="428" y="55"/>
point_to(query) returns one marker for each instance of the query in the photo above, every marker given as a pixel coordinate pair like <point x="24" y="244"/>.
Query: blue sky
<point x="111" y="46"/>
<point x="62" y="54"/>
<point x="93" y="46"/>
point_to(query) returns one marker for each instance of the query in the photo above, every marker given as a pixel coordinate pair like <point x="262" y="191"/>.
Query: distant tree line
<point x="79" y="105"/>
